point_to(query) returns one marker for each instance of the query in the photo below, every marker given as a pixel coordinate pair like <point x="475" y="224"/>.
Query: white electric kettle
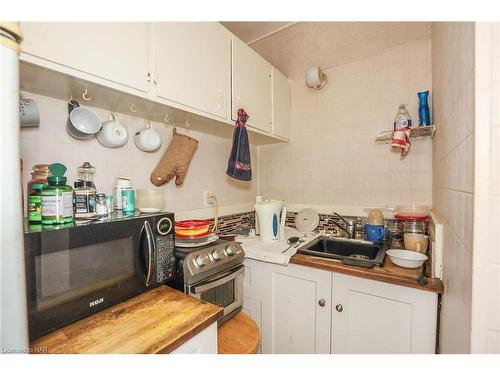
<point x="268" y="213"/>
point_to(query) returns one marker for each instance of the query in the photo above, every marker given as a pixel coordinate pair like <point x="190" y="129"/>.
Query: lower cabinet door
<point x="204" y="342"/>
<point x="376" y="317"/>
<point x="296" y="309"/>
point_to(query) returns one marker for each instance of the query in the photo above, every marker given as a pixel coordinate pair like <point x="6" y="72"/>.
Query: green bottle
<point x="35" y="204"/>
<point x="57" y="198"/>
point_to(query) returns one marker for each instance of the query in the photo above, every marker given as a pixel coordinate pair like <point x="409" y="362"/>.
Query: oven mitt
<point x="175" y="161"/>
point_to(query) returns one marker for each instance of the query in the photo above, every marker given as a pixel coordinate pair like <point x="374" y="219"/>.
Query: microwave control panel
<point x="165" y="246"/>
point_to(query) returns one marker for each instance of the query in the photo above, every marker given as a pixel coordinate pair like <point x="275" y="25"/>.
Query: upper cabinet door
<point x="115" y="51"/>
<point x="373" y="317"/>
<point x="251" y="86"/>
<point x="281" y="105"/>
<point x="193" y="65"/>
<point x="296" y="309"/>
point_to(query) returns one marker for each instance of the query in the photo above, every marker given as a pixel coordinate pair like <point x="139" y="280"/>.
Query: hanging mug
<point x="147" y="139"/>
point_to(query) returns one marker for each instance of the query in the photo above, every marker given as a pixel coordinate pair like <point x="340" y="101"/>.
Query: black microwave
<point x="75" y="270"/>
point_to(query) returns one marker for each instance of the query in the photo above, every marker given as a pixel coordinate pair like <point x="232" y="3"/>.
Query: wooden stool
<point x="239" y="335"/>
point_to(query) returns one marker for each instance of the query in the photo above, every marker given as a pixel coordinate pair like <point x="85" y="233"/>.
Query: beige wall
<point x="485" y="335"/>
<point x="51" y="143"/>
<point x="453" y="189"/>
<point x="333" y="158"/>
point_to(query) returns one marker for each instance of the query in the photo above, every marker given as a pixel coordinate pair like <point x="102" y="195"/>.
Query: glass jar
<point x="86" y="173"/>
<point x="101" y="205"/>
<point x="39" y="175"/>
<point x="415" y="226"/>
<point x="57" y="201"/>
<point x="396" y="230"/>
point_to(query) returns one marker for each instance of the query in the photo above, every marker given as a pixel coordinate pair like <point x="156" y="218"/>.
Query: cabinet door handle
<point x="221" y="99"/>
<point x="322" y="302"/>
<point x="339" y="308"/>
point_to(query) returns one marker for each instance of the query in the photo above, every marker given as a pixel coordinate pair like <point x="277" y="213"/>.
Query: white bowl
<point x="406" y="258"/>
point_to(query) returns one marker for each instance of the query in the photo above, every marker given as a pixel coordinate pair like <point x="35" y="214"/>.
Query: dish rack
<point x="422" y="131"/>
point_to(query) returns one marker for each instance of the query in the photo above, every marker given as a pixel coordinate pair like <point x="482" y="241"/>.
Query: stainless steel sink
<point x="352" y="252"/>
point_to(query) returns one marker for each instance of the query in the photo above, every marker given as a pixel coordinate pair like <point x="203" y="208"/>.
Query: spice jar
<point x="101" y="206"/>
<point x="57" y="197"/>
<point x="35" y="204"/>
<point x="84" y="199"/>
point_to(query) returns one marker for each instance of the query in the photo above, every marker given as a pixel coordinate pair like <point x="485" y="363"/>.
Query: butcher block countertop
<point x="389" y="273"/>
<point x="157" y="321"/>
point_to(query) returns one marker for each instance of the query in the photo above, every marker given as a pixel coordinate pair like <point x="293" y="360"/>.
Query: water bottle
<point x="423" y="108"/>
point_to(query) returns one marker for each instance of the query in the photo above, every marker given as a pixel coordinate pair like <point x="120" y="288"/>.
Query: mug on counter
<point x="416" y="242"/>
<point x="374" y="233"/>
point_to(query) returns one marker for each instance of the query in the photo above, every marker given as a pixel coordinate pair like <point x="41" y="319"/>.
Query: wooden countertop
<point x="239" y="335"/>
<point x="157" y="321"/>
<point x="389" y="273"/>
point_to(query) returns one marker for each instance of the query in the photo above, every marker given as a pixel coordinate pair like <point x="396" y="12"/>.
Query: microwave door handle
<point x="151" y="250"/>
<point x="219" y="281"/>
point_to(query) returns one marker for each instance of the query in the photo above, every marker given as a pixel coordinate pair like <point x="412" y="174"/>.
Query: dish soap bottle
<point x="57" y="198"/>
<point x="402" y="119"/>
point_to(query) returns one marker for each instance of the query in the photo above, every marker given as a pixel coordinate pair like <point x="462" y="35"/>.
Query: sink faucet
<point x="348" y="228"/>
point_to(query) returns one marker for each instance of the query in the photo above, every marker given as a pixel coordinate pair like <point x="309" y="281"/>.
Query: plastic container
<point x="412" y="210"/>
<point x="57" y="198"/>
<point x="35" y="204"/>
<point x="150" y="200"/>
<point x="424" y="114"/>
<point x="128" y="200"/>
<point x="122" y="183"/>
<point x="192" y="228"/>
<point x="84" y="199"/>
<point x="402" y="119"/>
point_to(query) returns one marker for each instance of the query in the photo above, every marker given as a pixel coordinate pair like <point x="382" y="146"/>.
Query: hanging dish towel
<point x="238" y="165"/>
<point x="401" y="139"/>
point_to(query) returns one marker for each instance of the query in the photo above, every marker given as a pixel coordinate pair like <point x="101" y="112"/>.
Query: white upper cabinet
<point x="193" y="65"/>
<point x="281" y="105"/>
<point x="373" y="317"/>
<point x="116" y="51"/>
<point x="296" y="309"/>
<point x="251" y="86"/>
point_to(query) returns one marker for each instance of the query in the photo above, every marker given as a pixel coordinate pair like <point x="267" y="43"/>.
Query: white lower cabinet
<point x="307" y="310"/>
<point x="296" y="309"/>
<point x="376" y="317"/>
<point x="204" y="342"/>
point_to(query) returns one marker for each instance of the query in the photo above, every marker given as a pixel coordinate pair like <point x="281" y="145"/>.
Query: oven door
<point x="224" y="289"/>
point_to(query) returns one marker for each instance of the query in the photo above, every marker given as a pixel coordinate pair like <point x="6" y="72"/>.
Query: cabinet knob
<point x="339" y="308"/>
<point x="322" y="302"/>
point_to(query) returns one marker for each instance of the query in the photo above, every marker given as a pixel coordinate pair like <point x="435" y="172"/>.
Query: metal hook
<point x="85" y="97"/>
<point x="70" y="99"/>
<point x="132" y="109"/>
<point x="167" y="117"/>
<point x="187" y="124"/>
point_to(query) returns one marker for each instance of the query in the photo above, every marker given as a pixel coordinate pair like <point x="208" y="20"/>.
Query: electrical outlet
<point x="206" y="198"/>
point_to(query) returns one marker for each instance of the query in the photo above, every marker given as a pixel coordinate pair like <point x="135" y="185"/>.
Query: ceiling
<point x="294" y="47"/>
<point x="252" y="31"/>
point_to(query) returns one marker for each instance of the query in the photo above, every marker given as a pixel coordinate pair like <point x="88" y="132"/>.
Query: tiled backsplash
<point x="51" y="143"/>
<point x="229" y="223"/>
<point x="333" y="158"/>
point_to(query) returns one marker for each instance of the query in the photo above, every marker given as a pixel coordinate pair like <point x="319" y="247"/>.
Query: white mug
<point x="147" y="139"/>
<point x="28" y="112"/>
<point x="112" y="133"/>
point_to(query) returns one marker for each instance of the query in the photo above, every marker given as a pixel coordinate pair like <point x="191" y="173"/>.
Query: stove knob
<point x="218" y="254"/>
<point x="230" y="251"/>
<point x="201" y="260"/>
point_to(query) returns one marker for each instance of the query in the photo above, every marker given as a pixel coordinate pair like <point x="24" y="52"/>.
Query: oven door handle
<point x="233" y="274"/>
<point x="151" y="250"/>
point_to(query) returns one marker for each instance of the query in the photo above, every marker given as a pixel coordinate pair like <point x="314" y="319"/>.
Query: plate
<point x="198" y="236"/>
<point x="306" y="220"/>
<point x="211" y="238"/>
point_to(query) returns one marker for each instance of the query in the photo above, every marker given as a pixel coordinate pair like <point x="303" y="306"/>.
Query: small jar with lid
<point x="57" y="198"/>
<point x="84" y="199"/>
<point x="86" y="173"/>
<point x="35" y="204"/>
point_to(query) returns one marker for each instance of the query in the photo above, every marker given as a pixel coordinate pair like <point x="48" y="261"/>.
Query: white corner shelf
<point x="422" y="131"/>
